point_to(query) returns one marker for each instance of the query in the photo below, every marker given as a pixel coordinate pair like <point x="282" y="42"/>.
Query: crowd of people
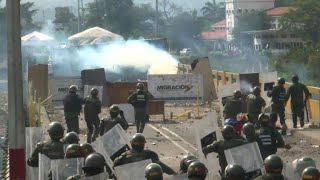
<point x="239" y="129"/>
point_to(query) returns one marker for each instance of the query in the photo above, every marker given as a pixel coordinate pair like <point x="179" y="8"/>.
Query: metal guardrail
<point x="223" y="78"/>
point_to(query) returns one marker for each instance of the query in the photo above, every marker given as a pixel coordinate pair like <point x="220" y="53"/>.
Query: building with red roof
<point x="217" y="36"/>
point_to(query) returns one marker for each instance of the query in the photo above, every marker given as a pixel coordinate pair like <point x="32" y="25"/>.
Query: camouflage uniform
<point x="92" y="109"/>
<point x="108" y="123"/>
<point x="139" y="100"/>
<point x="296" y="91"/>
<point x="132" y="156"/>
<point x="72" y="107"/>
<point x="254" y="106"/>
<point x="233" y="106"/>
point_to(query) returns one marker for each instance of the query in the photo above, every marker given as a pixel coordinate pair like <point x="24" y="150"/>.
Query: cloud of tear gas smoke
<point x="246" y="87"/>
<point x="126" y="58"/>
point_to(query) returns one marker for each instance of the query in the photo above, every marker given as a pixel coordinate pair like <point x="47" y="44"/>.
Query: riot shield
<point x="132" y="171"/>
<point x="44" y="167"/>
<point x="64" y="168"/>
<point x="115" y="142"/>
<point x="101" y="176"/>
<point x="224" y="92"/>
<point x="288" y="171"/>
<point x="177" y="177"/>
<point x="248" y="156"/>
<point x="128" y="111"/>
<point x="98" y="147"/>
<point x="33" y="136"/>
<point x="268" y="80"/>
<point x="205" y="134"/>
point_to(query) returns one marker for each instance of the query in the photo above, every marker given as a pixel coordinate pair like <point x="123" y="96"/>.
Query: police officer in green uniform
<point x="197" y="171"/>
<point x="72" y="105"/>
<point x="296" y="91"/>
<point x="235" y="172"/>
<point x="232" y="106"/>
<point x="73" y="151"/>
<point x="230" y="141"/>
<point x="310" y="173"/>
<point x="185" y="162"/>
<point x="108" y="123"/>
<point x="86" y="149"/>
<point x="139" y="100"/>
<point x="255" y="103"/>
<point x="71" y="138"/>
<point x="269" y="137"/>
<point x="273" y="166"/>
<point x="302" y="163"/>
<point x="249" y="131"/>
<point x="154" y="172"/>
<point x="277" y="95"/>
<point x="94" y="165"/>
<point x="52" y="148"/>
<point x="138" y="153"/>
<point x="92" y="109"/>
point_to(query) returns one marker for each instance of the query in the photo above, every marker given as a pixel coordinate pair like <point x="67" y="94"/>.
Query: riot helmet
<point x="237" y="94"/>
<point x="264" y="120"/>
<point x="273" y="164"/>
<point x="73" y="89"/>
<point x="154" y="172"/>
<point x="183" y="162"/>
<point x="302" y="163"/>
<point x="94" y="92"/>
<point x="295" y="79"/>
<point x="234" y="172"/>
<point x="86" y="149"/>
<point x="310" y="173"/>
<point x="248" y="129"/>
<point x="138" y="141"/>
<point x="228" y="132"/>
<point x="256" y="91"/>
<point x="197" y="170"/>
<point x="281" y="81"/>
<point x="55" y="130"/>
<point x="114" y="111"/>
<point x="73" y="151"/>
<point x="71" y="138"/>
<point x="140" y="86"/>
<point x="94" y="164"/>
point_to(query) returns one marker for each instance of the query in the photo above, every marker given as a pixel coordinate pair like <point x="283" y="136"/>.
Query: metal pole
<point x="16" y="123"/>
<point x="79" y="20"/>
<point x="157" y="18"/>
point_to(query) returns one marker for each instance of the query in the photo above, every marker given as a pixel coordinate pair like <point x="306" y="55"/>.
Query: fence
<point x="223" y="78"/>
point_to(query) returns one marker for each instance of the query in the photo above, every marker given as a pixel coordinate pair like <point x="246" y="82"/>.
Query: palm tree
<point x="213" y="12"/>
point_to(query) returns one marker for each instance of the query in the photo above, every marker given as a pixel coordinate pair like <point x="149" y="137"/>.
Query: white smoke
<point x="116" y="56"/>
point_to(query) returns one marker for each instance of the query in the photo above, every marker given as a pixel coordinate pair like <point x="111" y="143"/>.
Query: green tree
<point x="27" y="12"/>
<point x="213" y="12"/>
<point x="65" y="20"/>
<point x="283" y="3"/>
<point x="303" y="20"/>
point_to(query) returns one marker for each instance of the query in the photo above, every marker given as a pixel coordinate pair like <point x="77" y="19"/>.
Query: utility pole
<point x="16" y="123"/>
<point x="157" y="18"/>
<point x="79" y="16"/>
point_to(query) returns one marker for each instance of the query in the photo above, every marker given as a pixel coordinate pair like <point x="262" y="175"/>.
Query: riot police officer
<point x="114" y="119"/>
<point x="138" y="153"/>
<point x="302" y="163"/>
<point x="269" y="137"/>
<point x="185" y="162"/>
<point x="72" y="107"/>
<point x="86" y="149"/>
<point x="92" y="109"/>
<point x="232" y="105"/>
<point x="197" y="171"/>
<point x="249" y="131"/>
<point x="273" y="166"/>
<point x="255" y="103"/>
<point x="52" y="148"/>
<point x="230" y="141"/>
<point x="154" y="172"/>
<point x="139" y="100"/>
<point x="296" y="91"/>
<point x="310" y="173"/>
<point x="71" y="138"/>
<point x="277" y="95"/>
<point x="234" y="172"/>
<point x="73" y="151"/>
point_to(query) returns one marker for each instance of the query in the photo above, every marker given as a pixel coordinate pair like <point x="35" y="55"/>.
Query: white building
<point x="235" y="8"/>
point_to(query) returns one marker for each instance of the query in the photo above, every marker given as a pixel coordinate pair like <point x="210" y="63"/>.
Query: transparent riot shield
<point x="63" y="168"/>
<point x="177" y="177"/>
<point x="205" y="134"/>
<point x="101" y="176"/>
<point x="33" y="136"/>
<point x="268" y="80"/>
<point x="128" y="111"/>
<point x="224" y="92"/>
<point x="288" y="171"/>
<point x="44" y="167"/>
<point x="248" y="156"/>
<point x="115" y="142"/>
<point x="98" y="147"/>
<point x="132" y="171"/>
